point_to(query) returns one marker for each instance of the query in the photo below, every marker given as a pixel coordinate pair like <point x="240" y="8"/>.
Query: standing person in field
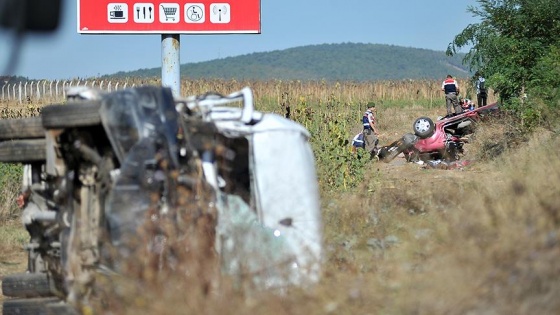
<point x="481" y="94"/>
<point x="369" y="121"/>
<point x="451" y="90"/>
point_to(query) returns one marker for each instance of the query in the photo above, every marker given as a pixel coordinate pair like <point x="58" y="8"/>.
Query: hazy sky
<point x="430" y="24"/>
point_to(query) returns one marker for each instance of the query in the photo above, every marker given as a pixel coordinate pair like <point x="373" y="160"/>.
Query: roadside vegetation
<point x="400" y="239"/>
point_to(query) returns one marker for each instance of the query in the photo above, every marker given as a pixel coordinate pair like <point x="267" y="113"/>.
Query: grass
<point x="12" y="239"/>
<point x="12" y="235"/>
<point x="403" y="239"/>
<point x="10" y="186"/>
<point x="420" y="241"/>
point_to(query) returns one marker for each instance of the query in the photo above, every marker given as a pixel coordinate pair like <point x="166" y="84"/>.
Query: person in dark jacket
<point x="481" y="94"/>
<point x="358" y="142"/>
<point x="451" y="90"/>
<point x="369" y="122"/>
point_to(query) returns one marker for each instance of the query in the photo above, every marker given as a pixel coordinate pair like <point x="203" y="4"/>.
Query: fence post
<point x="19" y="92"/>
<point x="125" y="84"/>
<point x="101" y="85"/>
<point x="25" y="90"/>
<point x="64" y="89"/>
<point x="117" y="86"/>
<point x="93" y="84"/>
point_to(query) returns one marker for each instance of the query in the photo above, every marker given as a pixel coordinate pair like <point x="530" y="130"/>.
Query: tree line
<point x="516" y="46"/>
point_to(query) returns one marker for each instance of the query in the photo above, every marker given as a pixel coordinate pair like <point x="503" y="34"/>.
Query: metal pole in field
<point x="170" y="63"/>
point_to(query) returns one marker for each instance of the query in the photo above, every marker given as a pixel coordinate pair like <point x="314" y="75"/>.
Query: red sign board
<point x="168" y="17"/>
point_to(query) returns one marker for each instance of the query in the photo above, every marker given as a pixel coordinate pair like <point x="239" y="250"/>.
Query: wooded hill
<point x="332" y="62"/>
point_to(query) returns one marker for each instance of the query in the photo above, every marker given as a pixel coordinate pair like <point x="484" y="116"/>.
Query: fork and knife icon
<point x="144" y="13"/>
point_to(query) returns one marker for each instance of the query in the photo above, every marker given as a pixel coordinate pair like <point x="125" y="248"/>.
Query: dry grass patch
<point x="13" y="257"/>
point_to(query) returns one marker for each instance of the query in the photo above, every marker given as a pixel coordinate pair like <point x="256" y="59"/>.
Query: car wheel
<point x="80" y="114"/>
<point x="21" y="128"/>
<point x="423" y="127"/>
<point x="26" y="285"/>
<point x="23" y="151"/>
<point x="388" y="153"/>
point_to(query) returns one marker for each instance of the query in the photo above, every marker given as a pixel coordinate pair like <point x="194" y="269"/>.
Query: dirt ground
<point x="400" y="174"/>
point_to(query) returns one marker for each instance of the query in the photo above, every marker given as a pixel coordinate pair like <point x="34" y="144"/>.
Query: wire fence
<point x="275" y="92"/>
<point x="53" y="91"/>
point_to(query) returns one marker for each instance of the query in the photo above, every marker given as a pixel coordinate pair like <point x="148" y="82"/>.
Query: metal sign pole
<point x="170" y="63"/>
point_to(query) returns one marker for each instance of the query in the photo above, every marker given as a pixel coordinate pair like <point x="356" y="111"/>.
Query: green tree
<point x="511" y="43"/>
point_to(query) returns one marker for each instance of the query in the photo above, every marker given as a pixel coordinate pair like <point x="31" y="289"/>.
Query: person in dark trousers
<point x="369" y="121"/>
<point x="451" y="90"/>
<point x="358" y="142"/>
<point x="481" y="94"/>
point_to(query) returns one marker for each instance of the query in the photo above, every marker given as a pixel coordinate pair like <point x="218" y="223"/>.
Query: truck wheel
<point x="33" y="306"/>
<point x="80" y="114"/>
<point x="21" y="128"/>
<point x="423" y="127"/>
<point x="23" y="151"/>
<point x="26" y="285"/>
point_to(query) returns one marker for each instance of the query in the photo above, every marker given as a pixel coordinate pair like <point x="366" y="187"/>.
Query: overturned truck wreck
<point x="110" y="177"/>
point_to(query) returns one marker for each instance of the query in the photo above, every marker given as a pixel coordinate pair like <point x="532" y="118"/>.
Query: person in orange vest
<point x="451" y="90"/>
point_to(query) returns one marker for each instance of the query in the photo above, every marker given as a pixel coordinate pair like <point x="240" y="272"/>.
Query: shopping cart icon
<point x="169" y="12"/>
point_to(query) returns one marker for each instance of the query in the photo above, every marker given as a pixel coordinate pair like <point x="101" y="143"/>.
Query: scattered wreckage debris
<point x="440" y="141"/>
<point x="446" y="165"/>
<point x="138" y="183"/>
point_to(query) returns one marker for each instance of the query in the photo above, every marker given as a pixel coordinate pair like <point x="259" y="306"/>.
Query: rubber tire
<point x="398" y="147"/>
<point x="35" y="306"/>
<point x="21" y="128"/>
<point x="423" y="133"/>
<point x="23" y="151"/>
<point x="26" y="285"/>
<point x="80" y="114"/>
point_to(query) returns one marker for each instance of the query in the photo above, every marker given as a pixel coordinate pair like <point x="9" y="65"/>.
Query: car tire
<point x="23" y="151"/>
<point x="26" y="285"/>
<point x="21" y="128"/>
<point x="27" y="306"/>
<point x="80" y="114"/>
<point x="423" y="127"/>
<point x="388" y="153"/>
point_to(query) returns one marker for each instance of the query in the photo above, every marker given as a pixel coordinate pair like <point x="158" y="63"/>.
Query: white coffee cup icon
<point x="116" y="14"/>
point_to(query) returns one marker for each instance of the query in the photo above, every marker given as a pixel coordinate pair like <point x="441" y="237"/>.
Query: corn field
<point x="270" y="92"/>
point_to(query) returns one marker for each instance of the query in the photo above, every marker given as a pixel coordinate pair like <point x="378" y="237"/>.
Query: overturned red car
<point x="442" y="140"/>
